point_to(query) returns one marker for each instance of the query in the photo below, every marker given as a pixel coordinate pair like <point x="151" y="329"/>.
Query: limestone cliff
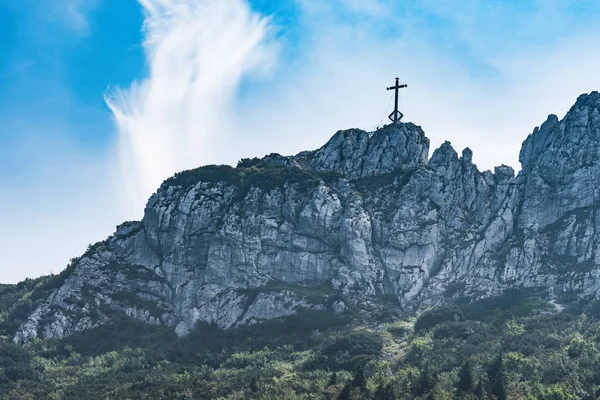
<point x="366" y="217"/>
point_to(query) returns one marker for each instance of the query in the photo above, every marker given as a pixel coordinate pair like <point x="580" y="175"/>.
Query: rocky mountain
<point x="366" y="223"/>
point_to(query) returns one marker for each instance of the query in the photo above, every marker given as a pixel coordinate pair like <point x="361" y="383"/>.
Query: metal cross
<point x="396" y="116"/>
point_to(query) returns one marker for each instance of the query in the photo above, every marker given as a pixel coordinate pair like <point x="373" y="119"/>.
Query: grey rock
<point x="339" y="307"/>
<point x="356" y="153"/>
<point x="391" y="223"/>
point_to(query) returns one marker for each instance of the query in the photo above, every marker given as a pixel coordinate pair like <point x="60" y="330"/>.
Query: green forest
<point x="513" y="346"/>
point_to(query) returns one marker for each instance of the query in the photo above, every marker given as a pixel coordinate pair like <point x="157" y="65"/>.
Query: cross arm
<point x="397" y="87"/>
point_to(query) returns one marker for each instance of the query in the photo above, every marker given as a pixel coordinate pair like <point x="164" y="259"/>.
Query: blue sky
<point x="45" y="51"/>
<point x="191" y="82"/>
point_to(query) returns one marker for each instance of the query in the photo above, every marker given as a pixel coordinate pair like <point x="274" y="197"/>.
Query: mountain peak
<point x="236" y="246"/>
<point x="561" y="163"/>
<point x="556" y="140"/>
<point x="589" y="100"/>
<point x="443" y="155"/>
<point x="357" y="153"/>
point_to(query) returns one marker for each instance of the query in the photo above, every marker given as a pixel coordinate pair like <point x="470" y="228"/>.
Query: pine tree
<point x="391" y="392"/>
<point x="381" y="393"/>
<point x="424" y="384"/>
<point x="254" y="385"/>
<point x="495" y="368"/>
<point x="498" y="387"/>
<point x="346" y="391"/>
<point x="360" y="381"/>
<point x="385" y="392"/>
<point x="496" y="377"/>
<point x="333" y="380"/>
<point x="465" y="378"/>
<point x="479" y="390"/>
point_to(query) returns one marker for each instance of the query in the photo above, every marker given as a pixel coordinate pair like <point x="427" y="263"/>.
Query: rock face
<point x="356" y="153"/>
<point x="365" y="217"/>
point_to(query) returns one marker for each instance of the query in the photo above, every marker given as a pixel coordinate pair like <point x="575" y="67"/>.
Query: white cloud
<point x="197" y="51"/>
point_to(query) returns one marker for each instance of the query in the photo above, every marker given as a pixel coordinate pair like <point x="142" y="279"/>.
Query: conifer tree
<point x="498" y="387"/>
<point x="385" y="392"/>
<point x="254" y="385"/>
<point x="346" y="391"/>
<point x="496" y="377"/>
<point x="333" y="380"/>
<point x="360" y="381"/>
<point x="479" y="390"/>
<point x="465" y="378"/>
<point x="380" y="393"/>
<point x="391" y="392"/>
<point x="424" y="384"/>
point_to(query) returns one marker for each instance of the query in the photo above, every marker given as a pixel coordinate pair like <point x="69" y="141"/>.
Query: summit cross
<point x="396" y="116"/>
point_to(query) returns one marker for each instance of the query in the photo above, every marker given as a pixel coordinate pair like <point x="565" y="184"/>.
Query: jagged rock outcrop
<point x="357" y="153"/>
<point x="367" y="217"/>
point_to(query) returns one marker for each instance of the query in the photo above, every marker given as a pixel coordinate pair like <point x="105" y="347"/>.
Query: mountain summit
<point x="367" y="222"/>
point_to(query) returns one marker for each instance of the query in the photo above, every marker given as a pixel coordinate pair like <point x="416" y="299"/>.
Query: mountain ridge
<point x="368" y="216"/>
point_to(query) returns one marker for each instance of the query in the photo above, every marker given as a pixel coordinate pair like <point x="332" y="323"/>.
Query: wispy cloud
<point x="197" y="52"/>
<point x="72" y="14"/>
<point x="76" y="14"/>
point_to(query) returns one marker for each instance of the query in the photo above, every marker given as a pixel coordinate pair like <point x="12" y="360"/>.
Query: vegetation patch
<point x="252" y="173"/>
<point x="272" y="177"/>
<point x="369" y="184"/>
<point x="430" y="318"/>
<point x="17" y="302"/>
<point x="511" y="346"/>
<point x="579" y="215"/>
<point x="317" y="294"/>
<point x="455" y="288"/>
<point x="349" y="352"/>
<point x="208" y="173"/>
<point x="566" y="265"/>
<point x="511" y="303"/>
